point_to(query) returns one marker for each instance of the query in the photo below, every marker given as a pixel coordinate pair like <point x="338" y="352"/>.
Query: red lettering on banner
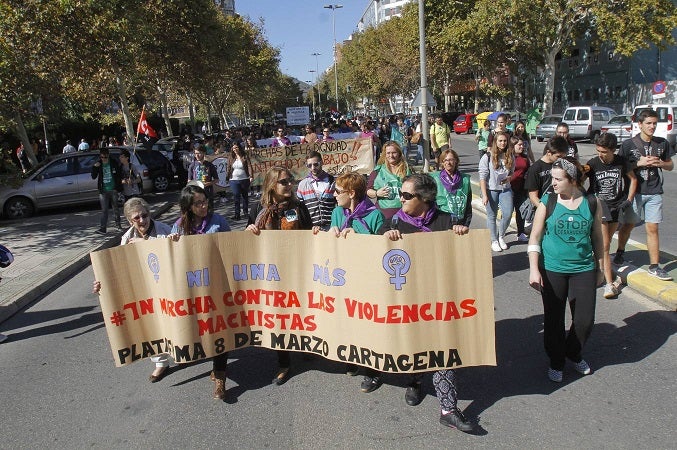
<point x="426" y="312"/>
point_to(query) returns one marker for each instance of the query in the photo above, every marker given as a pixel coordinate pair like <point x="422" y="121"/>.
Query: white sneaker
<point x="610" y="291"/>
<point x="522" y="238"/>
<point x="502" y="243"/>
<point x="495" y="246"/>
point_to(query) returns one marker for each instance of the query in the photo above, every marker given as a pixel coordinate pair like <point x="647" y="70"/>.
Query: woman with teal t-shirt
<point x="565" y="259"/>
<point x="454" y="194"/>
<point x="385" y="181"/>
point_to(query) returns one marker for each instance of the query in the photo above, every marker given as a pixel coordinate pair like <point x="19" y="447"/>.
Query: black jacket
<point x="116" y="171"/>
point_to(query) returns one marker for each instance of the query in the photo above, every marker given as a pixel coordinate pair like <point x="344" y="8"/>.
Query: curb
<point x="64" y="272"/>
<point x="638" y="279"/>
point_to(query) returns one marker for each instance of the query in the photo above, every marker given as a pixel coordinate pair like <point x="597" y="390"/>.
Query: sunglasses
<point x="285" y="182"/>
<point x="139" y="217"/>
<point x="315" y="164"/>
<point x="200" y="204"/>
<point x="407" y="195"/>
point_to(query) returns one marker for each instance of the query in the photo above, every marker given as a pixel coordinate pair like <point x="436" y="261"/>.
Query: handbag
<point x="416" y="137"/>
<point x="527" y="210"/>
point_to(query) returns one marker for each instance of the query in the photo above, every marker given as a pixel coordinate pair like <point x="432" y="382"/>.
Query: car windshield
<point x="619" y="119"/>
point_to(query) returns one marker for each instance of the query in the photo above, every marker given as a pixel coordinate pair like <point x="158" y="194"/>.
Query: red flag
<point x="146" y="134"/>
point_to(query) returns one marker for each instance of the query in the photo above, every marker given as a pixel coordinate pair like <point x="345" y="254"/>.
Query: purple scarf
<point x="203" y="226"/>
<point x="452" y="183"/>
<point x="361" y="210"/>
<point x="419" y="222"/>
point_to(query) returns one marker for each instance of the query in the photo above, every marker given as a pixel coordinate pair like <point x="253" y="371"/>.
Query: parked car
<point x="463" y="123"/>
<point x="621" y="126"/>
<point x="61" y="180"/>
<point x="667" y="121"/>
<point x="547" y="127"/>
<point x="157" y="170"/>
<point x="586" y="122"/>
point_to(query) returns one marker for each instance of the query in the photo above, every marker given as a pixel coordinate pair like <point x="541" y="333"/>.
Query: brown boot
<point x="219" y="385"/>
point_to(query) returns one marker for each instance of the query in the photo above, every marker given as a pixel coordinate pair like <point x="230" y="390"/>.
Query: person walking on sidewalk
<point x="519" y="194"/>
<point x="615" y="184"/>
<point x="495" y="172"/>
<point x="565" y="257"/>
<point x="108" y="174"/>
<point x="650" y="155"/>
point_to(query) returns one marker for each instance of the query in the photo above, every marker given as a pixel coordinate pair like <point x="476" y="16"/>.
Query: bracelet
<point x="534" y="248"/>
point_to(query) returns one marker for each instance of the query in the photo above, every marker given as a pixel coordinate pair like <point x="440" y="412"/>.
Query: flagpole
<point x="136" y="139"/>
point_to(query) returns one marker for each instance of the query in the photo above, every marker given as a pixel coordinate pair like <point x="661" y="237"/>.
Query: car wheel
<point x="457" y="132"/>
<point x="594" y="137"/>
<point x="539" y="138"/>
<point x="161" y="183"/>
<point x="19" y="208"/>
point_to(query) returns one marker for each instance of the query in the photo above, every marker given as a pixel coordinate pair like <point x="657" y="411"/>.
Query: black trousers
<point x="580" y="289"/>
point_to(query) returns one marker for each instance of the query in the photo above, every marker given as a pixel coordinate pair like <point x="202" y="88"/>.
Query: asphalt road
<point x="60" y="388"/>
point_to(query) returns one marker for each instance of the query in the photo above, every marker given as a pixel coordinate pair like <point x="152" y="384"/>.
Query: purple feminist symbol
<point x="396" y="262"/>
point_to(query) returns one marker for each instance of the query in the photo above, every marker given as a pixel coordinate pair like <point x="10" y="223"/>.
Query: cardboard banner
<point x="339" y="156"/>
<point x="419" y="304"/>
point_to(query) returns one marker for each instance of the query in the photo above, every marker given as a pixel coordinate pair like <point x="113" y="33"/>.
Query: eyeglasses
<point x="200" y="204"/>
<point x="338" y="191"/>
<point x="140" y="217"/>
<point x="325" y="131"/>
<point x="315" y="164"/>
<point x="407" y="195"/>
<point x="285" y="181"/>
<point x="449" y="161"/>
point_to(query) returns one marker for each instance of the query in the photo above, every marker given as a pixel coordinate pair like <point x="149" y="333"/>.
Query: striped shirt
<point x="318" y="196"/>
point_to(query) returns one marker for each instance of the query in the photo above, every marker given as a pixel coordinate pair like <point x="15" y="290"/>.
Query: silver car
<point x="547" y="127"/>
<point x="621" y="126"/>
<point x="60" y="181"/>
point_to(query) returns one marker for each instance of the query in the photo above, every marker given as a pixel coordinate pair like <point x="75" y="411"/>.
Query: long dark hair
<point x="185" y="203"/>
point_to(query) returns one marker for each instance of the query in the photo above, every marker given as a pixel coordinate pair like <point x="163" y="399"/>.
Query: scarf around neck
<point x="363" y="209"/>
<point x="450" y="183"/>
<point x="419" y="222"/>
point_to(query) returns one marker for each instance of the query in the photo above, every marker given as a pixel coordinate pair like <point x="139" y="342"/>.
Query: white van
<point x="586" y="122"/>
<point x="667" y="121"/>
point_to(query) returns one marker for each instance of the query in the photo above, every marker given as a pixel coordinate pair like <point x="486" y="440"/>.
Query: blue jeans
<point x="240" y="189"/>
<point x="502" y="200"/>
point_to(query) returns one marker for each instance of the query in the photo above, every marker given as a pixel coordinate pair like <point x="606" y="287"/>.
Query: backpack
<point x="552" y="202"/>
<point x="6" y="257"/>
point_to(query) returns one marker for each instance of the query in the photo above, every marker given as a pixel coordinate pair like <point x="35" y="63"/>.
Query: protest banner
<point x="418" y="304"/>
<point x="339" y="156"/>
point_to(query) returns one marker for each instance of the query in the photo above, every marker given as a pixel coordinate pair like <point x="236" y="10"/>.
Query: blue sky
<point x="301" y="27"/>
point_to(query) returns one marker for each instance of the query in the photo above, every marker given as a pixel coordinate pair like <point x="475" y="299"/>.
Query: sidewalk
<point x="49" y="249"/>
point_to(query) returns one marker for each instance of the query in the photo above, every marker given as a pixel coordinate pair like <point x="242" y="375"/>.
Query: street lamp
<point x="312" y="94"/>
<point x="317" y="79"/>
<point x="333" y="21"/>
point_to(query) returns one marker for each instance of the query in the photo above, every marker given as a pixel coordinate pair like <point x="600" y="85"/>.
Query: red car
<point x="463" y="123"/>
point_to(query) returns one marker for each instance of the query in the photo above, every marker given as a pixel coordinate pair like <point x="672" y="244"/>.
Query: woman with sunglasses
<point x="143" y="227"/>
<point x="196" y="219"/>
<point x="385" y="181"/>
<point x="454" y="194"/>
<point x="279" y="209"/>
<point x="419" y="213"/>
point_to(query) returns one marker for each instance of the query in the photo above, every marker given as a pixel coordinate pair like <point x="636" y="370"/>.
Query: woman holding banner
<point x="196" y="219"/>
<point x="142" y="227"/>
<point x="386" y="180"/>
<point x="279" y="209"/>
<point x="419" y="213"/>
<point x="454" y="195"/>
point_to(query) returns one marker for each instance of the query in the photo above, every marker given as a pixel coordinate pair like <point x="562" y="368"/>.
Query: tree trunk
<point x="447" y="97"/>
<point x="165" y="110"/>
<point x="126" y="114"/>
<point x="191" y="111"/>
<point x="23" y="135"/>
<point x="477" y="94"/>
<point x="549" y="76"/>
